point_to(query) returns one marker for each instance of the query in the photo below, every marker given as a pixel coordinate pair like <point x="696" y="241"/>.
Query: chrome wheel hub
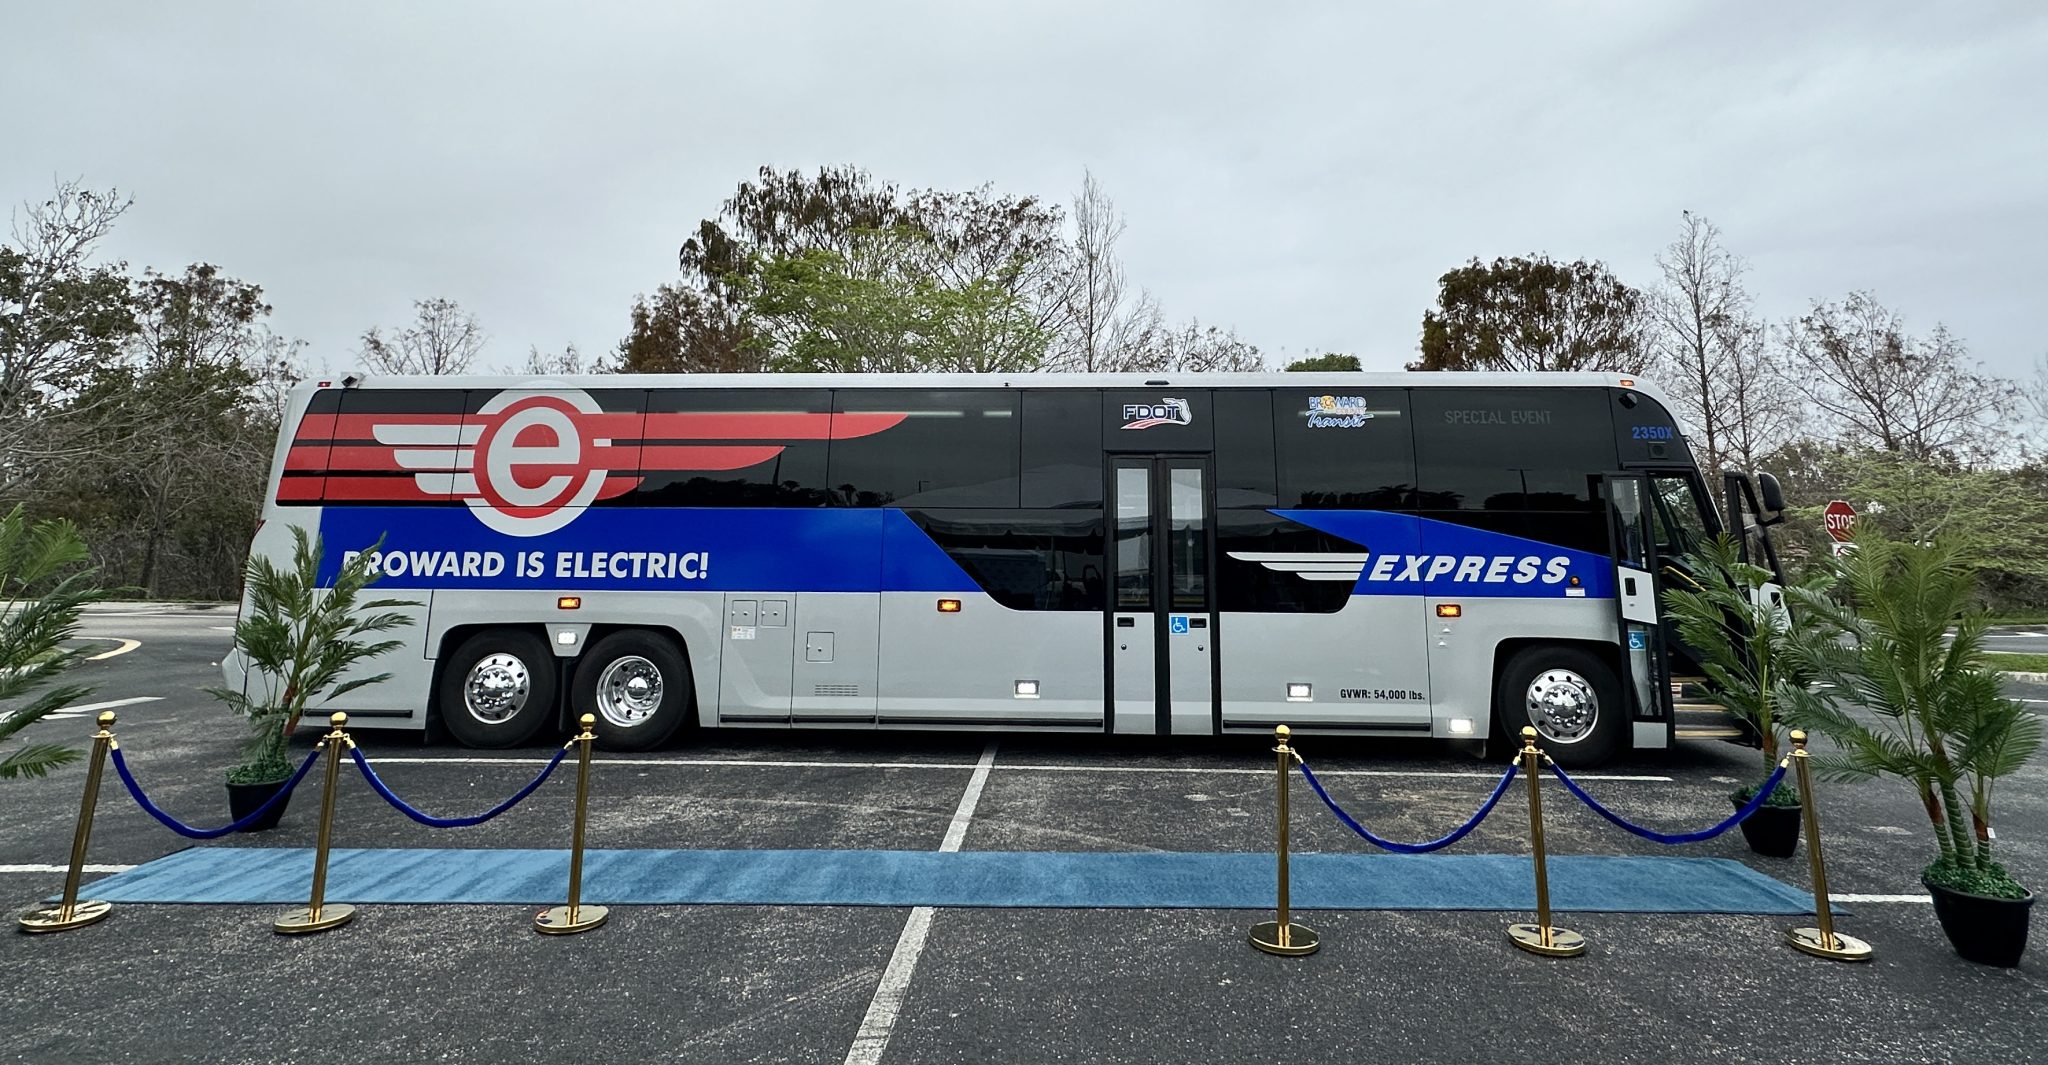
<point x="629" y="691"/>
<point x="1562" y="706"/>
<point x="496" y="688"/>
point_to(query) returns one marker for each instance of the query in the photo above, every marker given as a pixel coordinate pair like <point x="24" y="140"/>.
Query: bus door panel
<point x="1645" y="661"/>
<point x="754" y="674"/>
<point x="1161" y="625"/>
<point x="837" y="653"/>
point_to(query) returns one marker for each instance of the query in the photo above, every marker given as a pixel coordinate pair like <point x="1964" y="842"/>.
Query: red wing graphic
<point x="538" y="453"/>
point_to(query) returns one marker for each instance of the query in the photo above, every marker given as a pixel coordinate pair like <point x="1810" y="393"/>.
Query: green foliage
<point x="1744" y="641"/>
<point x="882" y="306"/>
<point x="2018" y="663"/>
<point x="1909" y="693"/>
<point x="298" y="640"/>
<point x="1330" y="363"/>
<point x="1996" y="518"/>
<point x="1532" y="314"/>
<point x="42" y="590"/>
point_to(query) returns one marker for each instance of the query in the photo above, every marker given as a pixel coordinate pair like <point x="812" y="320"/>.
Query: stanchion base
<point x="1293" y="941"/>
<point x="559" y="920"/>
<point x="1846" y="948"/>
<point x="1562" y="943"/>
<point x="53" y="919"/>
<point x="301" y="921"/>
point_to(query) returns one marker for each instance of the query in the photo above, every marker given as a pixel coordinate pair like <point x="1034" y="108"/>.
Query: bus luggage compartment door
<point x="755" y="667"/>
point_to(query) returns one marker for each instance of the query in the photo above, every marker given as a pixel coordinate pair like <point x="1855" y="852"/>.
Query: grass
<point x="2016" y="663"/>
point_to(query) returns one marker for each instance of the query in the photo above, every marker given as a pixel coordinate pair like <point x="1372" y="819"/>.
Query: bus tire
<point x="636" y="684"/>
<point x="497" y="689"/>
<point x="1570" y="696"/>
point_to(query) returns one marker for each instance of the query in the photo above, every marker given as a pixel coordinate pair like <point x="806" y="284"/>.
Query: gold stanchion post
<point x="576" y="917"/>
<point x="1541" y="938"/>
<point x="1282" y="935"/>
<point x="1822" y="941"/>
<point x="71" y="913"/>
<point x="318" y="916"/>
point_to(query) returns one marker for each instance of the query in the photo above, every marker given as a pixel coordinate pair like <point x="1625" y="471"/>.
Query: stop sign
<point x="1841" y="520"/>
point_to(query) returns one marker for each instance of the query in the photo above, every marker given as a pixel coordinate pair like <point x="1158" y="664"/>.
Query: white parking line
<point x="63" y="868"/>
<point x="1012" y="767"/>
<point x="880" y="1021"/>
<point x="1880" y="898"/>
<point x="93" y="708"/>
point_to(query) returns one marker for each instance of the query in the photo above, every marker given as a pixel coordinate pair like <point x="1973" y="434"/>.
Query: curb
<point x="147" y="607"/>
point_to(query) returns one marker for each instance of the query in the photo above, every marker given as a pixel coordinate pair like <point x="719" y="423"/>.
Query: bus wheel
<point x="1572" y="699"/>
<point x="637" y="685"/>
<point x="497" y="689"/>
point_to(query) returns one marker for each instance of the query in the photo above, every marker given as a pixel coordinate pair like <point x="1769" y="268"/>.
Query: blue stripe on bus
<point x="1410" y="555"/>
<point x="849" y="550"/>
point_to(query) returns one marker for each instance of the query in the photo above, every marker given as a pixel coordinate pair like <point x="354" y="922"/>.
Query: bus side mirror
<point x="1773" y="497"/>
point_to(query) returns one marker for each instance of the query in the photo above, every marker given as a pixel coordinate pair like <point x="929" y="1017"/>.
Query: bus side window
<point x="951" y="449"/>
<point x="1062" y="436"/>
<point x="1245" y="459"/>
<point x="1344" y="449"/>
<point x="734" y="448"/>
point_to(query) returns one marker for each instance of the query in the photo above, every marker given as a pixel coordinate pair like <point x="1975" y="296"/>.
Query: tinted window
<point x="734" y="448"/>
<point x="393" y="446"/>
<point x="1025" y="559"/>
<point x="1244" y="449"/>
<point x="305" y="465"/>
<point x="1511" y="449"/>
<point x="1345" y="451"/>
<point x="930" y="449"/>
<point x="1063" y="449"/>
<point x="1249" y="584"/>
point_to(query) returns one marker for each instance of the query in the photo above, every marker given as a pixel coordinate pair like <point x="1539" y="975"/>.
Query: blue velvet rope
<point x="183" y="829"/>
<point x="1770" y="785"/>
<point x="1411" y="848"/>
<point x="430" y="820"/>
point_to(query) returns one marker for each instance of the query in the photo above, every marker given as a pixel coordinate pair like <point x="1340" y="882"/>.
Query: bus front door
<point x="1645" y="663"/>
<point x="1161" y="624"/>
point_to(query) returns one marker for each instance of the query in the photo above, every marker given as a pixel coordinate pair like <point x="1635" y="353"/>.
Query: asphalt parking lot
<point x="160" y="983"/>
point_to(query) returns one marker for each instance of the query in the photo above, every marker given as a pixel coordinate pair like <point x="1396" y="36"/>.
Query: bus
<point x="1378" y="554"/>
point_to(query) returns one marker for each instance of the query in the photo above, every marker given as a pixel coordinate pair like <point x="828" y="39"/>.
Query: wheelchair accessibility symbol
<point x="1638" y="641"/>
<point x="1177" y="624"/>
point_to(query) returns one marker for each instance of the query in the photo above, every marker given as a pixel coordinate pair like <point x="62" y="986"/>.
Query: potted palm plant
<point x="297" y="639"/>
<point x="1908" y="693"/>
<point x="1742" y="637"/>
<point x="39" y="606"/>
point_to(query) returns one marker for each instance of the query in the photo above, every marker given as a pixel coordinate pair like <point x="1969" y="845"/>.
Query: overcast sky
<point x="1301" y="172"/>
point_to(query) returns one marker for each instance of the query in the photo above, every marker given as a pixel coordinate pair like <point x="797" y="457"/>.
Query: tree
<point x="1878" y="385"/>
<point x="1710" y="354"/>
<point x="1532" y="314"/>
<point x="61" y="314"/>
<point x="565" y="363"/>
<point x="442" y="339"/>
<point x="175" y="437"/>
<point x="1196" y="349"/>
<point x="1101" y="326"/>
<point x="687" y="330"/>
<point x="1329" y="363"/>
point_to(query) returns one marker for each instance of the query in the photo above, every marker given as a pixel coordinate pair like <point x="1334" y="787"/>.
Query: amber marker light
<point x="569" y="602"/>
<point x="949" y="606"/>
<point x="1449" y="610"/>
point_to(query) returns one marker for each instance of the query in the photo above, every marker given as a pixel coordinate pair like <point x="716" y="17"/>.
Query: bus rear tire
<point x="1570" y="696"/>
<point x="636" y="684"/>
<point x="497" y="689"/>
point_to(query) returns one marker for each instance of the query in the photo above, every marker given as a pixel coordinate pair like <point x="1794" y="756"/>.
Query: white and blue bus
<point x="1425" y="555"/>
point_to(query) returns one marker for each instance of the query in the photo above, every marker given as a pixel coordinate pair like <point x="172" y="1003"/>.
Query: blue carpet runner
<point x="1162" y="880"/>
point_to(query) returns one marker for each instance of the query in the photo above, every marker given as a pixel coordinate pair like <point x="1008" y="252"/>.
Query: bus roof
<point x="1317" y="381"/>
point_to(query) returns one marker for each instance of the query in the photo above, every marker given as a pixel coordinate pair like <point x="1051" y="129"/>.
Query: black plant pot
<point x="244" y="799"/>
<point x="1772" y="831"/>
<point x="1983" y="929"/>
